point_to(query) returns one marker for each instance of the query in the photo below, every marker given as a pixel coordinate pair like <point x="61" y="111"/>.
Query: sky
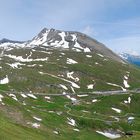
<point x="116" y="23"/>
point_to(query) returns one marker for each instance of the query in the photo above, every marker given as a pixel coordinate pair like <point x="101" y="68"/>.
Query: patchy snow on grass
<point x="115" y="85"/>
<point x="94" y="100"/>
<point x="4" y="81"/>
<point x="38" y="119"/>
<point x="131" y="118"/>
<point x="15" y="65"/>
<point x="82" y="95"/>
<point x="21" y="59"/>
<point x="56" y="132"/>
<point x="96" y="63"/>
<point x="75" y="129"/>
<point x="13" y="96"/>
<point x="126" y="84"/>
<point x="47" y="97"/>
<point x="71" y="122"/>
<point x="109" y="135"/>
<point x="100" y="55"/>
<point x="23" y="95"/>
<point x="63" y="86"/>
<point x="1" y="97"/>
<point x="90" y="86"/>
<point x="117" y="110"/>
<point x="71" y="98"/>
<point x="125" y="77"/>
<point x="72" y="83"/>
<point x="35" y="125"/>
<point x="32" y="96"/>
<point x="71" y="61"/>
<point x="128" y="101"/>
<point x="75" y="85"/>
<point x="69" y="75"/>
<point x="89" y="56"/>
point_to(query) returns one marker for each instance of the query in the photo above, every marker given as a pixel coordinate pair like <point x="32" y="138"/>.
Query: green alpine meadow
<point x="67" y="86"/>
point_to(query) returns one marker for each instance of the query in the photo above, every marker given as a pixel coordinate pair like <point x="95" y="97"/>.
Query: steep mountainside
<point x="56" y="86"/>
<point x="54" y="58"/>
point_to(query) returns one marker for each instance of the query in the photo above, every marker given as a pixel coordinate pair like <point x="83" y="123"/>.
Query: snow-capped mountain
<point x="68" y="40"/>
<point x="134" y="59"/>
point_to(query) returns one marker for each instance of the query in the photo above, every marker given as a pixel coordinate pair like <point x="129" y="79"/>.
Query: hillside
<point x="50" y="86"/>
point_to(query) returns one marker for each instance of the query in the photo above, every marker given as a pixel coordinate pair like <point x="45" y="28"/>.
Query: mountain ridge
<point x="72" y="40"/>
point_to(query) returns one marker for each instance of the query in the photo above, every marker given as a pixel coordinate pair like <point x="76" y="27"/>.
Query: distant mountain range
<point x="134" y="59"/>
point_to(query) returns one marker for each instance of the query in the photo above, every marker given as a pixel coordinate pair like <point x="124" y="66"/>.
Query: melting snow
<point x="71" y="61"/>
<point x="55" y="132"/>
<point x="77" y="130"/>
<point x="100" y="55"/>
<point x="117" y="110"/>
<point x="71" y="122"/>
<point x="38" y="119"/>
<point x="71" y="98"/>
<point x="109" y="135"/>
<point x="64" y="43"/>
<point x="131" y="118"/>
<point x="15" y="65"/>
<point x="32" y="96"/>
<point x="1" y="97"/>
<point x="125" y="84"/>
<point x="4" y="81"/>
<point x="94" y="100"/>
<point x="83" y="95"/>
<point x="128" y="101"/>
<point x="87" y="49"/>
<point x="47" y="97"/>
<point x="89" y="56"/>
<point x="90" y="86"/>
<point x="23" y="95"/>
<point x="13" y="96"/>
<point x="69" y="75"/>
<point x="35" y="125"/>
<point x="117" y="86"/>
<point x="63" y="86"/>
<point x="21" y="59"/>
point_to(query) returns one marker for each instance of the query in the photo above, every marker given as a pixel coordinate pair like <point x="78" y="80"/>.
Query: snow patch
<point x="94" y="100"/>
<point x="71" y="122"/>
<point x="117" y="110"/>
<point x="128" y="101"/>
<point x="82" y="95"/>
<point x="89" y="56"/>
<point x="69" y="75"/>
<point x="4" y="81"/>
<point x="71" y="61"/>
<point x="23" y="95"/>
<point x="100" y="55"/>
<point x="109" y="135"/>
<point x="32" y="96"/>
<point x="126" y="84"/>
<point x="38" y="119"/>
<point x="63" y="86"/>
<point x="13" y="96"/>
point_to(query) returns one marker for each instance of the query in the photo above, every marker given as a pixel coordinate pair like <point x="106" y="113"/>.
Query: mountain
<point x="134" y="59"/>
<point x="66" y="85"/>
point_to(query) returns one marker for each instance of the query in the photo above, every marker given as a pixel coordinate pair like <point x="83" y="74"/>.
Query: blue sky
<point x="116" y="23"/>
